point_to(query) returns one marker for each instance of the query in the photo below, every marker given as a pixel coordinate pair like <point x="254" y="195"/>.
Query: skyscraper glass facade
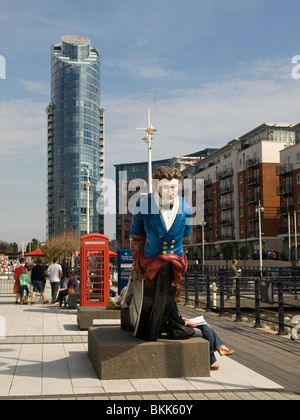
<point x="75" y="138"/>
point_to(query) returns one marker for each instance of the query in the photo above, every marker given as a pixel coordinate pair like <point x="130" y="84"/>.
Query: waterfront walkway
<point x="44" y="356"/>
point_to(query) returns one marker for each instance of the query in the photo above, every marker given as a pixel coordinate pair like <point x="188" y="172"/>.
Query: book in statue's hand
<point x="199" y="320"/>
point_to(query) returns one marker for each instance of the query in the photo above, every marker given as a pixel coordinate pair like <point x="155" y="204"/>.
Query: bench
<point x="87" y="314"/>
<point x="73" y="300"/>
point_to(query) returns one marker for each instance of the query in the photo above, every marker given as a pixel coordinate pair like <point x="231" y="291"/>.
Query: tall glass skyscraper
<point x="75" y="138"/>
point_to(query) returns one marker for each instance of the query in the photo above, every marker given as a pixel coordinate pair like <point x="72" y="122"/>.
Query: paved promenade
<point x="44" y="356"/>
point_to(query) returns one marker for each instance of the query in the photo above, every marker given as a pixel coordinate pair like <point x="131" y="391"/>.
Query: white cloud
<point x="40" y="88"/>
<point x="189" y="120"/>
<point x="23" y="125"/>
<point x="275" y="69"/>
<point x="148" y="69"/>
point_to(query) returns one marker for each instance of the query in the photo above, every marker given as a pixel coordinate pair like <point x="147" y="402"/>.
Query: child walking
<point x="24" y="281"/>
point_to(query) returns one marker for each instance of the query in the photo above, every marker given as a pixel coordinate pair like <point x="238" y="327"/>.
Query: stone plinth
<point x="87" y="314"/>
<point x="115" y="354"/>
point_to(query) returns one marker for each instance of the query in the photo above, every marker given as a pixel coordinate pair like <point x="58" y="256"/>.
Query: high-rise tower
<point x="75" y="138"/>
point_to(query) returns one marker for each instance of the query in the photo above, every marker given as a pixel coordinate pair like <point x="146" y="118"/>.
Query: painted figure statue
<point x="161" y="220"/>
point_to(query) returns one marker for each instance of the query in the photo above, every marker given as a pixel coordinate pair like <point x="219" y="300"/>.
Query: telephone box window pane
<point x="95" y="276"/>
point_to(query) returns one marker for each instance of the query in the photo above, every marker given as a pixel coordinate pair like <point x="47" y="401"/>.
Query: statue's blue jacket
<point x="148" y="222"/>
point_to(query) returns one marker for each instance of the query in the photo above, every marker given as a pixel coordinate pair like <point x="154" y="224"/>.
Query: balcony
<point x="253" y="217"/>
<point x="224" y="174"/>
<point x="227" y="205"/>
<point x="287" y="190"/>
<point x="208" y="226"/>
<point x="208" y="211"/>
<point x="226" y="189"/>
<point x="284" y="211"/>
<point x="253" y="181"/>
<point x="208" y="196"/>
<point x="252" y="234"/>
<point x="252" y="163"/>
<point x="227" y="237"/>
<point x="207" y="183"/>
<point x="287" y="168"/>
<point x="227" y="222"/>
<point x="253" y="199"/>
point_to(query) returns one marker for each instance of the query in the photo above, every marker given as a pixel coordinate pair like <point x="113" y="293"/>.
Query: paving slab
<point x="44" y="355"/>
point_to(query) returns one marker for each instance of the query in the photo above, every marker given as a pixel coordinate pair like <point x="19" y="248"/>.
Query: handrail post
<point x="281" y="330"/>
<point x="257" y="304"/>
<point x="222" y="311"/>
<point x="186" y="288"/>
<point x="196" y="291"/>
<point x="238" y="317"/>
<point x="208" y="303"/>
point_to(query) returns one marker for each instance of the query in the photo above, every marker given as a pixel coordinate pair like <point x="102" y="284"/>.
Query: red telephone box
<point x="94" y="270"/>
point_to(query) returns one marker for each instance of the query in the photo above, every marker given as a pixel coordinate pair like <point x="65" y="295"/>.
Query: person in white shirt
<point x="54" y="273"/>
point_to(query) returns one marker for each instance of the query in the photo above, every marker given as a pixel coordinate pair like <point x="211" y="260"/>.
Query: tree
<point x="49" y="253"/>
<point x="15" y="247"/>
<point x="227" y="251"/>
<point x="35" y="244"/>
<point x="5" y="248"/>
<point x="61" y="245"/>
<point x="244" y="252"/>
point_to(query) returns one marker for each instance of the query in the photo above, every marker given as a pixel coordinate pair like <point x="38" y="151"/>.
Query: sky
<point x="209" y="71"/>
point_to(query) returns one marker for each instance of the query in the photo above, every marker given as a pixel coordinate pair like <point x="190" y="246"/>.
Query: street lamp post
<point x="289" y="237"/>
<point x="259" y="210"/>
<point x="296" y="240"/>
<point x="147" y="139"/>
<point x="87" y="186"/>
<point x="202" y="224"/>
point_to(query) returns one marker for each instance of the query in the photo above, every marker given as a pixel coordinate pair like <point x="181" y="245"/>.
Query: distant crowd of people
<point x="269" y="255"/>
<point x="61" y="277"/>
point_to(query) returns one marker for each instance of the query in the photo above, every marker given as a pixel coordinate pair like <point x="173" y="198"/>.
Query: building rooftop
<point x="75" y="50"/>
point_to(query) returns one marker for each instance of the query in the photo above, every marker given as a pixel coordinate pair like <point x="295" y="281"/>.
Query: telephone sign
<point x="94" y="270"/>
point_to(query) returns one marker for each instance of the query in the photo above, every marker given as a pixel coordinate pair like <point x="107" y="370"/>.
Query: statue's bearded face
<point x="168" y="191"/>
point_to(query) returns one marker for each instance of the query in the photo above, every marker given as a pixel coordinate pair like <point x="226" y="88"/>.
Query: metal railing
<point x="253" y="296"/>
<point x="7" y="281"/>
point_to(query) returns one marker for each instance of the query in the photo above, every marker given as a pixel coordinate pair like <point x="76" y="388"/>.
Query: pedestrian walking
<point x="38" y="281"/>
<point x="18" y="269"/>
<point x="54" y="273"/>
<point x="24" y="280"/>
<point x="235" y="273"/>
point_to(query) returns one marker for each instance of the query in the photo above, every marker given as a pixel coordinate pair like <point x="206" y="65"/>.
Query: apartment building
<point x="75" y="140"/>
<point x="289" y="192"/>
<point x="237" y="178"/>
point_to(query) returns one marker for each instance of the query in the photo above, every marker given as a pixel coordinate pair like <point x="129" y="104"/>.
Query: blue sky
<point x="209" y="71"/>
